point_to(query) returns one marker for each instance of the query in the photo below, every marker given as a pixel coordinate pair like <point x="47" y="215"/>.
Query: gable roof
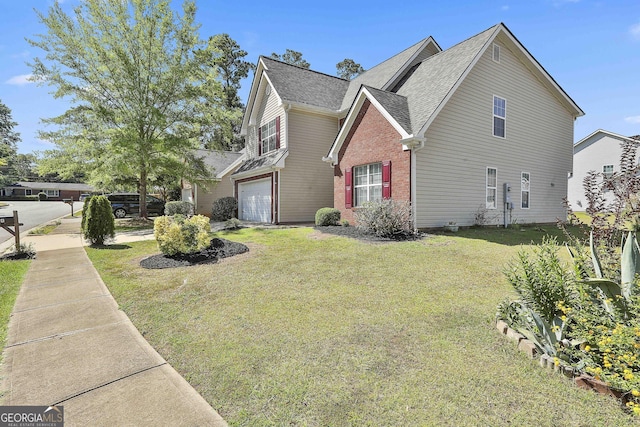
<point x="428" y="85"/>
<point x="605" y="133"/>
<point x="302" y="86"/>
<point x="396" y="105"/>
<point x="388" y="71"/>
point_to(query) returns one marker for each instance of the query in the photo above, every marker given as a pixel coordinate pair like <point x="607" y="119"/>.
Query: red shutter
<point x="260" y="141"/>
<point x="386" y="179"/>
<point x="277" y="132"/>
<point x="347" y="188"/>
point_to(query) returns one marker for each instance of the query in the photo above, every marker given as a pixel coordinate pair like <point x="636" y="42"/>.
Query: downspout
<point x="287" y="108"/>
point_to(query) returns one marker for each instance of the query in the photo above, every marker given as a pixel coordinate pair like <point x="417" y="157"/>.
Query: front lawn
<point x="319" y="330"/>
<point x="12" y="274"/>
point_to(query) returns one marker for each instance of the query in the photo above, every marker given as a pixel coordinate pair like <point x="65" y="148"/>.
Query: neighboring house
<point x="599" y="152"/>
<point x="450" y="131"/>
<point x="53" y="190"/>
<point x="441" y="129"/>
<point x="223" y="164"/>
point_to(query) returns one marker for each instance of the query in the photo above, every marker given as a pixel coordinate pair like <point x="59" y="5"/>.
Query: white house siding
<point x="268" y="109"/>
<point x="306" y="182"/>
<point x="592" y="154"/>
<point x="451" y="168"/>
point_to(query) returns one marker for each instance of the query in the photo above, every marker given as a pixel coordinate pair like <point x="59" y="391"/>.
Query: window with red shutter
<point x="386" y="179"/>
<point x="260" y="141"/>
<point x="347" y="188"/>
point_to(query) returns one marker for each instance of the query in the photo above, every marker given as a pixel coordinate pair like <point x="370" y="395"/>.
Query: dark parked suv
<point x="123" y="204"/>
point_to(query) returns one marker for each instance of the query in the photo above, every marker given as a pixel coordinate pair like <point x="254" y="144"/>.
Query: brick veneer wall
<point x="372" y="139"/>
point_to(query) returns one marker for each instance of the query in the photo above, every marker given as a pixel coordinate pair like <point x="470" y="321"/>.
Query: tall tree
<point x="8" y="141"/>
<point x="228" y="59"/>
<point x="348" y="69"/>
<point x="292" y="57"/>
<point x="142" y="95"/>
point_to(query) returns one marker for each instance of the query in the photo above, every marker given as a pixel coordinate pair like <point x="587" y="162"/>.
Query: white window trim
<point x="28" y="192"/>
<point x="522" y="190"/>
<point x="607" y="174"/>
<point x="263" y="138"/>
<point x="487" y="188"/>
<point x="493" y="116"/>
<point x="496" y="48"/>
<point x="368" y="185"/>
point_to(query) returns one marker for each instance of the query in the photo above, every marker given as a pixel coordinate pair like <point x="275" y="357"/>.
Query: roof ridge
<point x="399" y="53"/>
<point x="302" y="68"/>
<point x="462" y="42"/>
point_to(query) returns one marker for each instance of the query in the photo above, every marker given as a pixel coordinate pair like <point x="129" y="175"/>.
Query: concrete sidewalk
<point x="70" y="345"/>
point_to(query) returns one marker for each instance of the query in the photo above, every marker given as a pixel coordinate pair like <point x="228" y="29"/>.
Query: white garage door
<point x="255" y="201"/>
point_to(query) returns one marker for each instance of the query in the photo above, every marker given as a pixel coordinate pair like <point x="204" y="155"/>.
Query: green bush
<point x="224" y="208"/>
<point x="178" y="208"/>
<point x="85" y="206"/>
<point x="98" y="222"/>
<point x="385" y="218"/>
<point x="42" y="196"/>
<point x="327" y="216"/>
<point x="180" y="235"/>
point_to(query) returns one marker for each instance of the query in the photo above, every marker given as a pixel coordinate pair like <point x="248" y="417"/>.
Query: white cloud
<point x="505" y="7"/>
<point x="634" y="30"/>
<point x="22" y="79"/>
<point x="559" y="3"/>
<point x="632" y="119"/>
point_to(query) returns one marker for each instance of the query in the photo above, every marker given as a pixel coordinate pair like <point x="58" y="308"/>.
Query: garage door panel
<point x="255" y="201"/>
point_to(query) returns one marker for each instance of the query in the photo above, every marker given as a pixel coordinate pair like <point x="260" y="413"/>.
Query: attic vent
<point x="404" y="78"/>
<point x="496" y="52"/>
<point x="267" y="90"/>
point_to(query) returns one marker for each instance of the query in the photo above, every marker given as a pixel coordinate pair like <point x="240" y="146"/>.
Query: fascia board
<point x="351" y="117"/>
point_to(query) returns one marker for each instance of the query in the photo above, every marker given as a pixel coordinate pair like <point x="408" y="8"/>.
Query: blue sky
<point x="591" y="48"/>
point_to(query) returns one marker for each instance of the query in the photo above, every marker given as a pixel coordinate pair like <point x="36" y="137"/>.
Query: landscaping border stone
<point x="583" y="381"/>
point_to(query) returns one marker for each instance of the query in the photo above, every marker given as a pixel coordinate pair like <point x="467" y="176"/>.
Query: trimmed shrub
<point x="178" y="208"/>
<point x="224" y="208"/>
<point x="327" y="216"/>
<point x="98" y="222"/>
<point x="180" y="235"/>
<point x="42" y="196"/>
<point x="386" y="218"/>
<point x="85" y="206"/>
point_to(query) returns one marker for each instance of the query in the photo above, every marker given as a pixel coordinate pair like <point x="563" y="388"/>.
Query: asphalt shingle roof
<point x="218" y="160"/>
<point x="379" y="75"/>
<point x="295" y="84"/>
<point x="432" y="81"/>
<point x="261" y="162"/>
<point x="394" y="104"/>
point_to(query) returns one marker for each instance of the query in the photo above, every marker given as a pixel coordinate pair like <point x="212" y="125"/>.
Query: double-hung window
<point x="525" y="189"/>
<point x="499" y="117"/>
<point x="367" y="183"/>
<point x="607" y="171"/>
<point x="52" y="193"/>
<point x="268" y="137"/>
<point x="492" y="188"/>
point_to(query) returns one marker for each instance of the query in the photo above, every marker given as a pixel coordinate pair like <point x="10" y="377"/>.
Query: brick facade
<point x="372" y="139"/>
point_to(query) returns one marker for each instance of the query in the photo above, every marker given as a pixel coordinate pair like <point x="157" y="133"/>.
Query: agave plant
<point x="616" y="296"/>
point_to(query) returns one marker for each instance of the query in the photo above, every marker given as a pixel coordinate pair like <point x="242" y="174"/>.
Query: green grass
<point x="327" y="331"/>
<point x="12" y="273"/>
<point x="133" y="224"/>
<point x="45" y="229"/>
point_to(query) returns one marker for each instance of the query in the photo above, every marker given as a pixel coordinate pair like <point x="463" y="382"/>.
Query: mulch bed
<point x="15" y="256"/>
<point x="356" y="233"/>
<point x="219" y="248"/>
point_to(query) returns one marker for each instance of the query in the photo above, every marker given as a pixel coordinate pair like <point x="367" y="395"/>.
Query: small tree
<point x="99" y="223"/>
<point x="348" y="69"/>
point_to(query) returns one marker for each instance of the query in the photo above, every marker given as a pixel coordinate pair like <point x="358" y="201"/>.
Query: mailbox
<point x="6" y="221"/>
<point x="68" y="201"/>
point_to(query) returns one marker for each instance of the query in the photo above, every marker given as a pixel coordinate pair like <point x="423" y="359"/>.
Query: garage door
<point x="255" y="201"/>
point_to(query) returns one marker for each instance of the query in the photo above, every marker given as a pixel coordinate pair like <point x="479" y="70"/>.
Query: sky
<point x="591" y="48"/>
